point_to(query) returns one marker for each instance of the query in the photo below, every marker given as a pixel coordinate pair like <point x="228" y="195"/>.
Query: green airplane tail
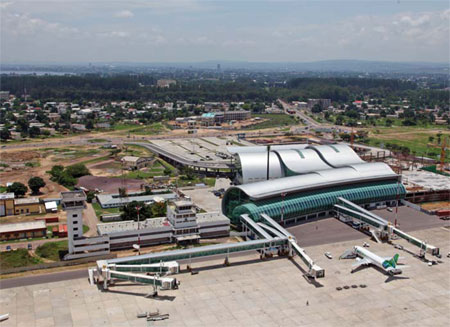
<point x="393" y="261"/>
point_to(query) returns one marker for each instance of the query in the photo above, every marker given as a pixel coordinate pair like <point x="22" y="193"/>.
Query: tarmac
<point x="251" y="292"/>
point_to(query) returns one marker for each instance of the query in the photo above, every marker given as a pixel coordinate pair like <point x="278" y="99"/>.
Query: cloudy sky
<point x="64" y="31"/>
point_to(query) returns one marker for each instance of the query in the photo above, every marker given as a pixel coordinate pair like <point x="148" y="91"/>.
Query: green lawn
<point x="124" y="127"/>
<point x="274" y="120"/>
<point x="209" y="181"/>
<point x="97" y="141"/>
<point x="151" y="129"/>
<point x="415" y="139"/>
<point x="51" y="250"/>
<point x="99" y="211"/>
<point x="17" y="258"/>
<point x="3" y="189"/>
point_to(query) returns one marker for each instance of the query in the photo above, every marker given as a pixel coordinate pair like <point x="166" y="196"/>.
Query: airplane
<point x="364" y="258"/>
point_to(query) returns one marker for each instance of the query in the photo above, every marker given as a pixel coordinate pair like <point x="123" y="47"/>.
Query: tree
<point x="23" y="125"/>
<point x="90" y="124"/>
<point x="316" y="108"/>
<point x="77" y="170"/>
<point x="431" y="139"/>
<point x="34" y="131"/>
<point x="5" y="134"/>
<point x="18" y="189"/>
<point x="56" y="172"/>
<point x="35" y="183"/>
<point x="123" y="192"/>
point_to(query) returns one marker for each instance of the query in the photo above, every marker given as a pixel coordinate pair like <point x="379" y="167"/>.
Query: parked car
<point x="8" y="248"/>
<point x="30" y="246"/>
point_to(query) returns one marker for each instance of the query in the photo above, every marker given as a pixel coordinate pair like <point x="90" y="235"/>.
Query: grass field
<point x="274" y="120"/>
<point x="209" y="181"/>
<point x="99" y="211"/>
<point x="17" y="258"/>
<point x="97" y="141"/>
<point x="151" y="129"/>
<point x="51" y="250"/>
<point x="416" y="139"/>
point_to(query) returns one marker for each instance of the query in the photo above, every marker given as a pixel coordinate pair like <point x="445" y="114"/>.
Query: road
<point x="90" y="219"/>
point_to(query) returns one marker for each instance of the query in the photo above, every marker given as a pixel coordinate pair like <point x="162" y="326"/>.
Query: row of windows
<point x="304" y="204"/>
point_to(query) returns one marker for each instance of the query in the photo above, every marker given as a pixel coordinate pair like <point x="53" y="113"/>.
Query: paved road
<point x="41" y="279"/>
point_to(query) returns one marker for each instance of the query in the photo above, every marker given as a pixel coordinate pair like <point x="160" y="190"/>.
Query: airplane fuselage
<point x="376" y="260"/>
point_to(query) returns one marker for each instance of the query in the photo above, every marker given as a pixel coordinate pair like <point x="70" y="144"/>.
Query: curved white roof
<point x="302" y="161"/>
<point x="263" y="148"/>
<point x="254" y="166"/>
<point x="324" y="178"/>
<point x="337" y="155"/>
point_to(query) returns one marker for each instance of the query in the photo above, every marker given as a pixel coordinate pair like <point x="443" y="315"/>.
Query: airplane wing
<point x="360" y="262"/>
<point x="349" y="254"/>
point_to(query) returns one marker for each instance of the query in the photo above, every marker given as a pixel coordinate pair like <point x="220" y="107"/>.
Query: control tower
<point x="79" y="247"/>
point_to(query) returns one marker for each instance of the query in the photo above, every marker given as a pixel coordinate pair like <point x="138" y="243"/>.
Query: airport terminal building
<point x="305" y="181"/>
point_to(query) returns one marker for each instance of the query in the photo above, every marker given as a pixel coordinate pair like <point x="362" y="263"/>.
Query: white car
<point x="328" y="255"/>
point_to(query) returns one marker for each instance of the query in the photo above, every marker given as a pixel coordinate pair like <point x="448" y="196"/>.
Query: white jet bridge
<point x="314" y="270"/>
<point x="155" y="268"/>
<point x="378" y="227"/>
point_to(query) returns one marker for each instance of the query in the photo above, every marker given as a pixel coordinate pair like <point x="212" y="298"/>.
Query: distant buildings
<point x="166" y="82"/>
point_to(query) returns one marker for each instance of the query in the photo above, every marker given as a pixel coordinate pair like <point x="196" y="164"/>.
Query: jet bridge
<point x="165" y="263"/>
<point x="313" y="269"/>
<point x="253" y="229"/>
<point x="378" y="226"/>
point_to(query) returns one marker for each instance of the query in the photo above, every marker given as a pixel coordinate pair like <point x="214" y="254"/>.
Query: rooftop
<point x="130" y="159"/>
<point x="5" y="196"/>
<point x="210" y="217"/>
<point x="130" y="225"/>
<point x="109" y="199"/>
<point x="73" y="195"/>
<point x="32" y="200"/>
<point x="10" y="228"/>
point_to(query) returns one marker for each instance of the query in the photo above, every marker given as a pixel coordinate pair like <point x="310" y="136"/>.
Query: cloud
<point x="25" y="25"/>
<point x="124" y="14"/>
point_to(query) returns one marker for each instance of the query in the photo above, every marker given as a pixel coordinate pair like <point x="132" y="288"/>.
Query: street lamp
<point x="283" y="195"/>
<point x="139" y="234"/>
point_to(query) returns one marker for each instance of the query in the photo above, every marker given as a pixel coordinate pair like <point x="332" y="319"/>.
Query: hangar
<point x="306" y="182"/>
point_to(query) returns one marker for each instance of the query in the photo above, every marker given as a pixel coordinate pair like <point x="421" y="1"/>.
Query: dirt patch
<point x="109" y="184"/>
<point x="19" y="156"/>
<point x="444" y="205"/>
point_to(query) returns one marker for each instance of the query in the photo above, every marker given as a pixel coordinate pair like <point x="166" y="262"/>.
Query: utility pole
<point x="139" y="230"/>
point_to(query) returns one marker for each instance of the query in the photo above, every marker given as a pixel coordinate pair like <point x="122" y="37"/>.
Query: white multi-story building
<point x="182" y="224"/>
<point x="79" y="246"/>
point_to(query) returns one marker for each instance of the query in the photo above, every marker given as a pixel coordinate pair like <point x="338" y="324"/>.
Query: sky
<point x="90" y="31"/>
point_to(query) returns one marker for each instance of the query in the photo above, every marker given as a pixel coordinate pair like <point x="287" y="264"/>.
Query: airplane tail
<point x="392" y="262"/>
